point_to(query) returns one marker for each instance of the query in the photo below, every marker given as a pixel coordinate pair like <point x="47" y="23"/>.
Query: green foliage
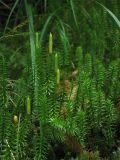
<point x="116" y="154"/>
<point x="81" y="110"/>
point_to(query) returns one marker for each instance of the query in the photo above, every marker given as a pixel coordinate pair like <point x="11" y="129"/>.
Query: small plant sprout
<point x="58" y="76"/>
<point x="50" y="43"/>
<point x="28" y="106"/>
<point x="79" y="54"/>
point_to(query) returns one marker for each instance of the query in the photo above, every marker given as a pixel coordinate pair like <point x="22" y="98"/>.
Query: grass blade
<point x="111" y="14"/>
<point x="45" y="27"/>
<point x="31" y="32"/>
<point x="73" y="10"/>
<point x="15" y="4"/>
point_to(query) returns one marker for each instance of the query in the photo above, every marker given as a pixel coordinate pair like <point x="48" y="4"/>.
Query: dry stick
<point x="4" y="4"/>
<point x="14" y="104"/>
<point x="18" y="129"/>
<point x="10" y="149"/>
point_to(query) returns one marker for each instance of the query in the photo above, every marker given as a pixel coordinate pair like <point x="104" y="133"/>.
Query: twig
<point x="10" y="149"/>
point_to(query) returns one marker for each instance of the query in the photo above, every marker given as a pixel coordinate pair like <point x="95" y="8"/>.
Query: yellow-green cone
<point x="56" y="62"/>
<point x="58" y="76"/>
<point x="37" y="40"/>
<point x="28" y="105"/>
<point x="50" y="43"/>
<point x="15" y="119"/>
